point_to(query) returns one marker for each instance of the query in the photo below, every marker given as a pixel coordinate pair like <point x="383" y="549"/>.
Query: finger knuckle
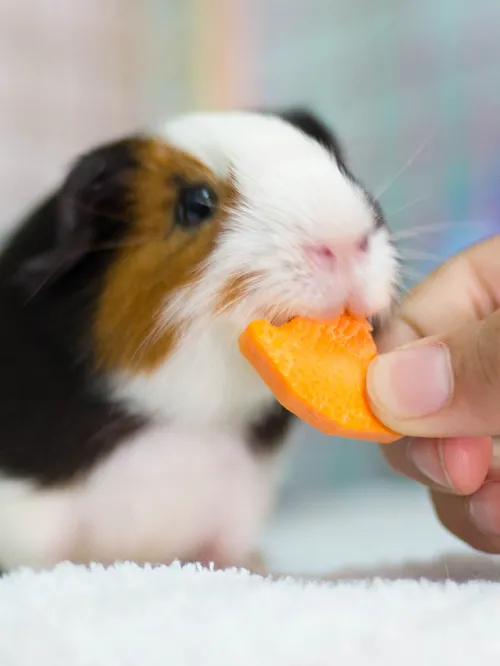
<point x="487" y="353"/>
<point x="451" y="512"/>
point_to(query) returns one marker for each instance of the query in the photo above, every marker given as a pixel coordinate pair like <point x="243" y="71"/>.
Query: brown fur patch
<point x="156" y="258"/>
<point x="234" y="289"/>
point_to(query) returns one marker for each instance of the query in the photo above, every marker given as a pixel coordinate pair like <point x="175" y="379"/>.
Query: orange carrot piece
<point x="317" y="370"/>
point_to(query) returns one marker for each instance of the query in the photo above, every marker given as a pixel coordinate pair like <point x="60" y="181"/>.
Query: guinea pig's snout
<point x="329" y="256"/>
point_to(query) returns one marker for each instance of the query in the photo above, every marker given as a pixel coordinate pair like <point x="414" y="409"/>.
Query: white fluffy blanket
<point x="175" y="616"/>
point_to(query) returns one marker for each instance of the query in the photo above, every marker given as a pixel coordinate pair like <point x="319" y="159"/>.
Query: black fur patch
<point x="306" y="121"/>
<point x="90" y="210"/>
<point x="54" y="420"/>
<point x="268" y="433"/>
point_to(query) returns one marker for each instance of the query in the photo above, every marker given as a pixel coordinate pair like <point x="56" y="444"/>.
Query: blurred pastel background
<point x="413" y="88"/>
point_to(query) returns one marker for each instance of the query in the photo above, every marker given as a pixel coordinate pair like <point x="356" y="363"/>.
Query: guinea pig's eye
<point x="195" y="205"/>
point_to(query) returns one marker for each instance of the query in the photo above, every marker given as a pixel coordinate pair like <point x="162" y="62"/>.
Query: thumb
<point x="441" y="386"/>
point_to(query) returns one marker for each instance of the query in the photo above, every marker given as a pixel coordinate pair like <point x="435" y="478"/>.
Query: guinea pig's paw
<point x="257" y="563"/>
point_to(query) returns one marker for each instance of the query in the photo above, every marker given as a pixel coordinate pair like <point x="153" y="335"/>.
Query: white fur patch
<point x="205" y="382"/>
<point x="166" y="494"/>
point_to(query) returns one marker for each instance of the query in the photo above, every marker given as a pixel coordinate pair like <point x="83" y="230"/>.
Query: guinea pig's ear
<point x="308" y="122"/>
<point x="90" y="208"/>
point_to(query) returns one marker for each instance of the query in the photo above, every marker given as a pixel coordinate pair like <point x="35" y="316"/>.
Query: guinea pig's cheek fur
<point x="131" y="332"/>
<point x="378" y="282"/>
<point x="385" y="264"/>
<point x="235" y="290"/>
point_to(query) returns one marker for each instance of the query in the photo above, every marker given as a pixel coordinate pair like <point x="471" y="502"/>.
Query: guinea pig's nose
<point x="325" y="256"/>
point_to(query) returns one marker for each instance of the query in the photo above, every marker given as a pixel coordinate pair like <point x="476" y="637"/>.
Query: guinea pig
<point x="131" y="428"/>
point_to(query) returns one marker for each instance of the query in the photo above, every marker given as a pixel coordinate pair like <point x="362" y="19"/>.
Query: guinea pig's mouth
<point x="282" y="319"/>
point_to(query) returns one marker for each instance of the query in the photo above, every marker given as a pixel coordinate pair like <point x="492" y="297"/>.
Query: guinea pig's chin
<point x="357" y="305"/>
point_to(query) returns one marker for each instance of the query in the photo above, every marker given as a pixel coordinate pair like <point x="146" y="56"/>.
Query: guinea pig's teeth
<point x="281" y="320"/>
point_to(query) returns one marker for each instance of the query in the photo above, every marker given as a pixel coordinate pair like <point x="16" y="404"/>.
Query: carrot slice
<point x="317" y="370"/>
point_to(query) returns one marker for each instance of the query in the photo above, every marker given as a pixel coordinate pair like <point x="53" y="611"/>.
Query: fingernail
<point x="484" y="508"/>
<point x="412" y="382"/>
<point x="425" y="454"/>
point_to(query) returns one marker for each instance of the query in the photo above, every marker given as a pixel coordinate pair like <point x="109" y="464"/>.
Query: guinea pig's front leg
<point x="218" y="558"/>
<point x="256" y="563"/>
<point x="37" y="527"/>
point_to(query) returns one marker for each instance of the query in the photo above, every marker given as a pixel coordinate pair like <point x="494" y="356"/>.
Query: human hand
<point x="438" y="382"/>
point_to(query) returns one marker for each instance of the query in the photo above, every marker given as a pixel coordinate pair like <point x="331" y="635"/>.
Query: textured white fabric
<point x="174" y="616"/>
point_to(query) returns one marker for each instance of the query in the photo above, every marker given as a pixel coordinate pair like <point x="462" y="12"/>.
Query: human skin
<point x="437" y="381"/>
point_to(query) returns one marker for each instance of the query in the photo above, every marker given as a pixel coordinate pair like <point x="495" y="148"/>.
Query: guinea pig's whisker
<point x="404" y="290"/>
<point x="411" y="274"/>
<point x="403" y="170"/>
<point x="421" y="230"/>
<point x="416" y="255"/>
<point x="403" y="262"/>
<point x="400" y="288"/>
<point x="408" y="205"/>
